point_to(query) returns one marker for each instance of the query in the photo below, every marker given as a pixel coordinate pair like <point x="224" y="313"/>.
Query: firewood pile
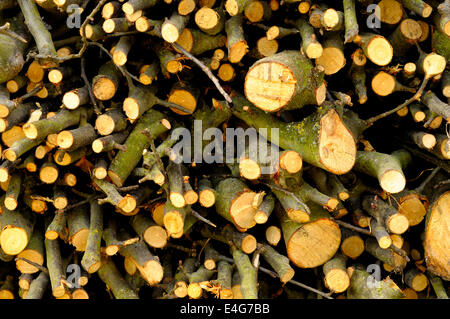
<point x="224" y="149"/>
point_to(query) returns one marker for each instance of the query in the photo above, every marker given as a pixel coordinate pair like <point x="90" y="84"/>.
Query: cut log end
<point x="55" y="76"/>
<point x="104" y="88"/>
<point x="79" y="239"/>
<point x="273" y="235"/>
<point x="398" y="224"/>
<point x="232" y="7"/>
<point x="272" y="33"/>
<point x="177" y="199"/>
<point x="128" y="8"/>
<point x="242" y="209"/>
<point x="71" y="100"/>
<point x="393" y="181"/>
<point x="380" y="51"/>
<point x="186" y="7"/>
<point x="60" y="202"/>
<point x="254" y="11"/>
<point x="10" y="203"/>
<point x="183" y="98"/>
<point x="337" y="149"/>
<point x="383" y="84"/>
<point x="267" y="47"/>
<point x="337" y="280"/>
<point x="191" y="197"/>
<point x="181" y="289"/>
<point x="352" y="246"/>
<point x="13" y="240"/>
<point x="410" y="29"/>
<point x="248" y="244"/>
<point x="330" y="18"/>
<point x="152" y="272"/>
<point x="433" y="64"/>
<point x="174" y="223"/>
<point x="109" y="25"/>
<point x="170" y="32"/>
<point x="128" y="204"/>
<point x="194" y="290"/>
<point x="249" y="169"/>
<point x="48" y="174"/>
<point x="207" y="198"/>
<point x="104" y="124"/>
<point x="111" y="250"/>
<point x="314" y="50"/>
<point x="131" y="108"/>
<point x="261" y="217"/>
<point x="299" y="216"/>
<point x="65" y="139"/>
<point x="156" y="236"/>
<point x="384" y="241"/>
<point x="332" y="60"/>
<point x="314" y="244"/>
<point x="391" y="11"/>
<point x="29" y="254"/>
<point x="226" y="72"/>
<point x="437" y="236"/>
<point x="30" y="131"/>
<point x="206" y="18"/>
<point x="419" y="282"/>
<point x="237" y="51"/>
<point x="291" y="161"/>
<point x="119" y="58"/>
<point x="270" y="86"/>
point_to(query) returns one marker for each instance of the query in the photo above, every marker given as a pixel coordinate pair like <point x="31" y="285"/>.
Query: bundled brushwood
<point x="120" y="161"/>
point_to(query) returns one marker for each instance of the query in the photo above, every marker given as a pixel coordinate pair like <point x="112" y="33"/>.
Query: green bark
<point x="247" y="273"/>
<point x="111" y="276"/>
<point x="124" y="162"/>
<point x="91" y="260"/>
<point x="38" y="287"/>
<point x="302" y="137"/>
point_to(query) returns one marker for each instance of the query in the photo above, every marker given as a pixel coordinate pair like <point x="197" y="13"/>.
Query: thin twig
<point x="294" y="282"/>
<point x="427" y="180"/>
<point x="122" y="69"/>
<point x="203" y="219"/>
<point x="442" y="183"/>
<point x="352" y="227"/>
<point x="429" y="158"/>
<point x="89" y="87"/>
<point x="32" y="263"/>
<point x="28" y="95"/>
<point x="4" y="29"/>
<point x="80" y="203"/>
<point x="415" y="97"/>
<point x="80" y="53"/>
<point x="172" y="105"/>
<point x="400" y="252"/>
<point x="207" y="71"/>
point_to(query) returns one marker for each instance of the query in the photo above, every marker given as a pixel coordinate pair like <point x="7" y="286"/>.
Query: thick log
<point x="303" y="246"/>
<point x="328" y="144"/>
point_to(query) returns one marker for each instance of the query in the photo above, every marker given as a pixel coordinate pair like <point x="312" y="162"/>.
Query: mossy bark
<point x="383" y="289"/>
